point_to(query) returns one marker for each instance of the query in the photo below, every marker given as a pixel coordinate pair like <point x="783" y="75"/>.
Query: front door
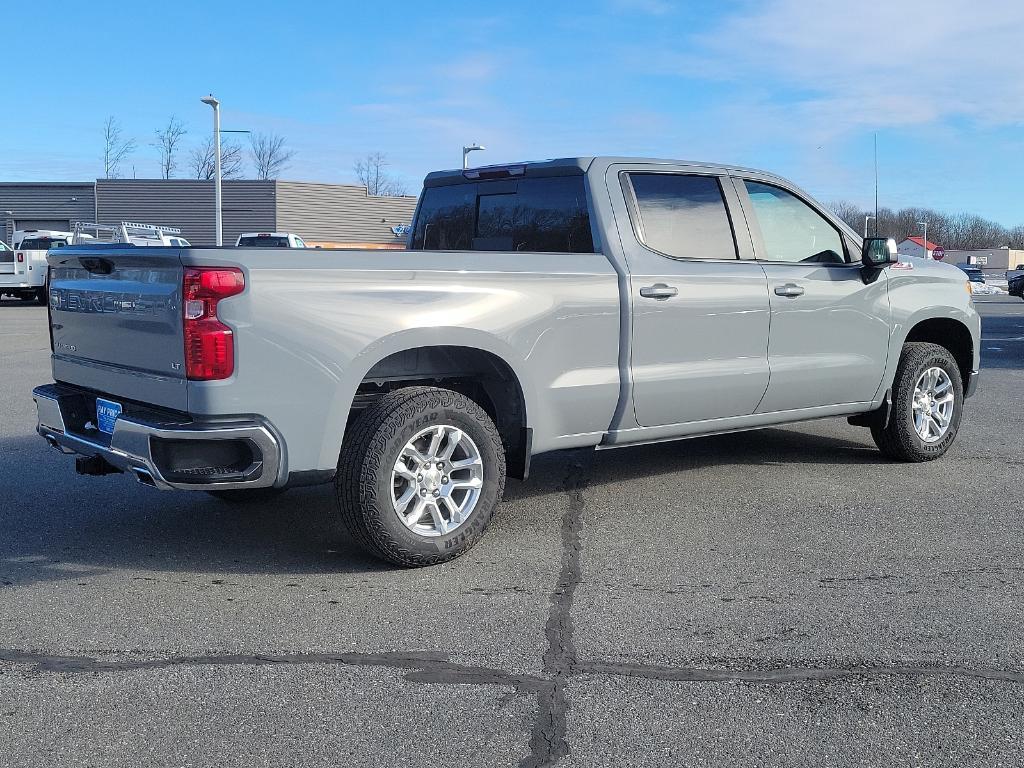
<point x="700" y="314"/>
<point x="829" y="336"/>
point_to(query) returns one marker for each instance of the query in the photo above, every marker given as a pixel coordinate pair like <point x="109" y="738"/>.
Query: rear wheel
<point x="420" y="476"/>
<point x="927" y="404"/>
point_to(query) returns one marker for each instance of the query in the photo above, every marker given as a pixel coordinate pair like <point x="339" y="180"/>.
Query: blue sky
<point x="792" y="86"/>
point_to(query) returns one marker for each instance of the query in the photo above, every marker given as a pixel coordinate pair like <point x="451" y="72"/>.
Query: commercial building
<point x="991" y="260"/>
<point x="331" y="215"/>
<point x="917" y="248"/>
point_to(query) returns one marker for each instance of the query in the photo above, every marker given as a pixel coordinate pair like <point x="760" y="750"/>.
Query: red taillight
<point x="21" y="257"/>
<point x="209" y="344"/>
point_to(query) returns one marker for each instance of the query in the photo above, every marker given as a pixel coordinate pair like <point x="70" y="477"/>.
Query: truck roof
<point x="566" y="166"/>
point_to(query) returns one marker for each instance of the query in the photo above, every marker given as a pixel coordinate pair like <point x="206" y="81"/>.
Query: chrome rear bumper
<point x="135" y="445"/>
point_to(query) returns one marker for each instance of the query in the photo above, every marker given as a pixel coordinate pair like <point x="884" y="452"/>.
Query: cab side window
<point x="682" y="216"/>
<point x="792" y="231"/>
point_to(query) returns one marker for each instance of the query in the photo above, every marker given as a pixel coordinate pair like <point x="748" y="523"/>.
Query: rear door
<point x="700" y="313"/>
<point x="116" y="322"/>
<point x="829" y="327"/>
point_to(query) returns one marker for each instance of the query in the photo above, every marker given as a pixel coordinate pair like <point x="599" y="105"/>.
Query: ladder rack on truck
<point x="129" y="232"/>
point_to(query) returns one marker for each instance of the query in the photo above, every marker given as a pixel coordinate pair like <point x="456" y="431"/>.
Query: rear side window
<point x="546" y="214"/>
<point x="682" y="216"/>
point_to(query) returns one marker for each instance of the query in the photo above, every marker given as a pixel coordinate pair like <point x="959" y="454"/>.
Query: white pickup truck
<point x="584" y="302"/>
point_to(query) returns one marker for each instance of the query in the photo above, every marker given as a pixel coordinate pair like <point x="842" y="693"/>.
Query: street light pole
<point x="925" y="225"/>
<point x="474" y="147"/>
<point x="866" y="219"/>
<point x="218" y="218"/>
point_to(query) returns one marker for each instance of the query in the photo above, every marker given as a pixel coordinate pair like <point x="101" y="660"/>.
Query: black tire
<point x="42" y="296"/>
<point x="372" y="447"/>
<point x="899" y="439"/>
<point x="29" y="297"/>
<point x="247" y="495"/>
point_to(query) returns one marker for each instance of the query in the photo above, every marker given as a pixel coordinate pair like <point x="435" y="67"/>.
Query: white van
<point x="25" y="276"/>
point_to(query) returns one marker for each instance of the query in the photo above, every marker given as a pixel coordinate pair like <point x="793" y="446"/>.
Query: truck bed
<point x="311" y="324"/>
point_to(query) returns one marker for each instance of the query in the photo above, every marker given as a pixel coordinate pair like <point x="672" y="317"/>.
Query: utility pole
<point x="869" y="216"/>
<point x="925" y="225"/>
<point x="876" y="184"/>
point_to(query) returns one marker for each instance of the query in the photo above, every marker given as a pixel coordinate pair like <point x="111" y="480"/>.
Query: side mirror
<point x="879" y="251"/>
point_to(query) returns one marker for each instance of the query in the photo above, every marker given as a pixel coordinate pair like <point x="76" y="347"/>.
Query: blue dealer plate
<point x="106" y="415"/>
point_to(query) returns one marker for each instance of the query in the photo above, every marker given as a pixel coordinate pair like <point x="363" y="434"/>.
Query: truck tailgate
<point x="116" y="322"/>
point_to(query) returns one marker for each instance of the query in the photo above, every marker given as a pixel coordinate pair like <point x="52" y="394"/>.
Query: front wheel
<point x="927" y="405"/>
<point x="420" y="476"/>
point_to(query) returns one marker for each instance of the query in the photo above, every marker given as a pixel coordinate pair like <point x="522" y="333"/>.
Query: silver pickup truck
<point x="585" y="302"/>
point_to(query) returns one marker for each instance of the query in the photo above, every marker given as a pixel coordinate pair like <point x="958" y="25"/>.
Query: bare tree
<point x="849" y="212"/>
<point x="167" y="144"/>
<point x="203" y="163"/>
<point x="115" y="148"/>
<point x="372" y="174"/>
<point x="269" y="155"/>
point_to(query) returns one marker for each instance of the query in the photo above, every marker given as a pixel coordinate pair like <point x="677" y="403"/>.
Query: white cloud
<point x="474" y="67"/>
<point x="876" y="64"/>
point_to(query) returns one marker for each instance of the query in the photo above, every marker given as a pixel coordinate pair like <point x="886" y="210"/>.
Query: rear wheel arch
<point x="481" y="375"/>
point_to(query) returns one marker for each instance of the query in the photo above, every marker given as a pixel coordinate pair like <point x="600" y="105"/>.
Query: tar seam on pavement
<point x="548" y="740"/>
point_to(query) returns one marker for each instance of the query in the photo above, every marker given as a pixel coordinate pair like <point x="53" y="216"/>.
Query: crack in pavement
<point x="560" y="661"/>
<point x="548" y="737"/>
<point x="422" y="667"/>
<point x="785" y="674"/>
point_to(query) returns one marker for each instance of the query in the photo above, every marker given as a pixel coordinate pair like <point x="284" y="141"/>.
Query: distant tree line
<point x="951" y="231"/>
<point x="267" y="154"/>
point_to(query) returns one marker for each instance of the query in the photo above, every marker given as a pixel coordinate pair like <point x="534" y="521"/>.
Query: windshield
<point x="264" y="241"/>
<point x="41" y="243"/>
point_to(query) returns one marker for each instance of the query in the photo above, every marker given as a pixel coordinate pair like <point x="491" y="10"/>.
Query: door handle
<point x="659" y="291"/>
<point x="789" y="290"/>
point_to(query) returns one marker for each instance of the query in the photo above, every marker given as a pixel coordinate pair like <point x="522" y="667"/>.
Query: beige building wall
<point x="989" y="259"/>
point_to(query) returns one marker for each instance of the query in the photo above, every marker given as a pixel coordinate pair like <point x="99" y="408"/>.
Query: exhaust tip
<point x="144" y="477"/>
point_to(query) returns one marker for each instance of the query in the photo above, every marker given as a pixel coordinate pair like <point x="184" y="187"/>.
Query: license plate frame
<point x="107" y="413"/>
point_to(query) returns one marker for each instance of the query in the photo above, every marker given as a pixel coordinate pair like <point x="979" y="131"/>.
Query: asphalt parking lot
<point x="779" y="597"/>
